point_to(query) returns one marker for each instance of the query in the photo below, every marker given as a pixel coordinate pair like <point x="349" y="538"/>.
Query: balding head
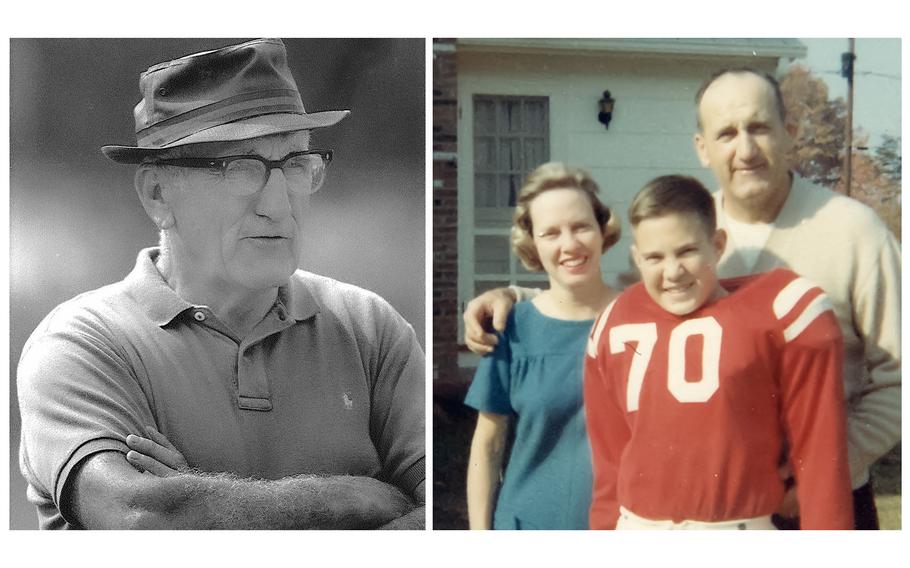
<point x="772" y="83"/>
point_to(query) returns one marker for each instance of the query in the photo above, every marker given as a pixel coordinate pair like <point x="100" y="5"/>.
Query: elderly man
<point x="776" y="219"/>
<point x="217" y="386"/>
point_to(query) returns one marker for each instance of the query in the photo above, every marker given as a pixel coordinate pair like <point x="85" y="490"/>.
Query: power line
<point x="874" y="73"/>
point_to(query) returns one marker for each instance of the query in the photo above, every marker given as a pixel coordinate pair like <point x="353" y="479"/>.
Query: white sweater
<point x="842" y="245"/>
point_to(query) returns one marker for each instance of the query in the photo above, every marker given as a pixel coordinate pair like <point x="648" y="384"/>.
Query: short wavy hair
<point x="556" y="175"/>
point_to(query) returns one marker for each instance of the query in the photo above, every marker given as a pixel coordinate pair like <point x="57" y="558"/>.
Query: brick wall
<point x="445" y="213"/>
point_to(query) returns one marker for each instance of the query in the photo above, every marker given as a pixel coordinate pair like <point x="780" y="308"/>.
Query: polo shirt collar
<point x="297" y="298"/>
<point x="161" y="304"/>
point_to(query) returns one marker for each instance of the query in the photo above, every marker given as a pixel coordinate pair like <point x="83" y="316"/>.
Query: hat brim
<point x="244" y="129"/>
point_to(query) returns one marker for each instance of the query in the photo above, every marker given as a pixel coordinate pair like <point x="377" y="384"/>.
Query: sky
<point x="876" y="82"/>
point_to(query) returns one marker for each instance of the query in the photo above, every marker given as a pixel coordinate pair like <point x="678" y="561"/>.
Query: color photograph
<point x="666" y="283"/>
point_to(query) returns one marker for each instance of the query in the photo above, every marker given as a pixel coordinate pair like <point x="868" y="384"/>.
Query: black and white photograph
<point x="217" y="283"/>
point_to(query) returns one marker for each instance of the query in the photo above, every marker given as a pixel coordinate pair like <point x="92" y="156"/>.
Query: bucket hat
<point x="234" y="93"/>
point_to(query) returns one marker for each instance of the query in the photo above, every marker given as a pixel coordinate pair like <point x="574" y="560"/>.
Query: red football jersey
<point x="688" y="416"/>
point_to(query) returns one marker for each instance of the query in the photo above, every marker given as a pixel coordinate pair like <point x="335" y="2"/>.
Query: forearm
<point x="484" y="471"/>
<point x="873" y="428"/>
<point x="608" y="434"/>
<point x="415" y="519"/>
<point x="822" y="473"/>
<point x="218" y="501"/>
<point x="108" y="493"/>
<point x="874" y="396"/>
<point x="814" y="419"/>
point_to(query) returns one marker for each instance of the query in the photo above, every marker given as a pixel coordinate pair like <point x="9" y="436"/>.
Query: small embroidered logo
<point x="348" y="402"/>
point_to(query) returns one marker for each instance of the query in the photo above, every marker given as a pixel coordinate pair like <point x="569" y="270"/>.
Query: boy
<point x="695" y="388"/>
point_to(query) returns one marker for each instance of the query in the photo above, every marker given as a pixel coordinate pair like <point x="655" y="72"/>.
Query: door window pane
<point x="482" y="286"/>
<point x="511" y="137"/>
<point x="491" y="254"/>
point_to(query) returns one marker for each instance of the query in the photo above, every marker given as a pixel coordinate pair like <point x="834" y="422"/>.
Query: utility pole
<point x="846" y="70"/>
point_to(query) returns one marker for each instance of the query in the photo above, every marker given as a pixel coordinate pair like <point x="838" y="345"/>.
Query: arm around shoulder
<point x="491" y="307"/>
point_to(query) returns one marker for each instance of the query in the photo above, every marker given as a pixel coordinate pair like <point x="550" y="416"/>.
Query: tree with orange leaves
<point x="820" y="154"/>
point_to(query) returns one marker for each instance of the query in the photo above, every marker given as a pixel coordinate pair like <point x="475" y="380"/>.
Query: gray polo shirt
<point x="331" y="381"/>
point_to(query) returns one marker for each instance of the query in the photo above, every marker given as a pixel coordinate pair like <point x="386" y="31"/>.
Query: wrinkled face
<point x="233" y="241"/>
<point x="677" y="259"/>
<point x="744" y="141"/>
<point x="568" y="239"/>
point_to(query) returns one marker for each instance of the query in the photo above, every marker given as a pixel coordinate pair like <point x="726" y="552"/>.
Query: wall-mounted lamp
<point x="606" y="109"/>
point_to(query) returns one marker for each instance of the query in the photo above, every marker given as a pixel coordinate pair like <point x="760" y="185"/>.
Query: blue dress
<point x="535" y="376"/>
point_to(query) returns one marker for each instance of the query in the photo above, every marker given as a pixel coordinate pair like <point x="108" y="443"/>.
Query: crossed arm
<point x="151" y="487"/>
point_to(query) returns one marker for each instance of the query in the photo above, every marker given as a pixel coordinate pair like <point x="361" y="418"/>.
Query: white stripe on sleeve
<point x="815" y="308"/>
<point x="790" y="295"/>
<point x="594" y="338"/>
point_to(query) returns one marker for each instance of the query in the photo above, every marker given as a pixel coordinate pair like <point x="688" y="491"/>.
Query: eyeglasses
<point x="246" y="175"/>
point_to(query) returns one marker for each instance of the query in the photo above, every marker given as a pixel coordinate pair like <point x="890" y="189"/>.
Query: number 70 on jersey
<point x="642" y="337"/>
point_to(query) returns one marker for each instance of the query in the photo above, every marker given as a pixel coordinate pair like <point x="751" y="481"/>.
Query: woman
<point x="531" y="384"/>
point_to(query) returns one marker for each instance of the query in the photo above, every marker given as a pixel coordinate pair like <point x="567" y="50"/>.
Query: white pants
<point x="630" y="521"/>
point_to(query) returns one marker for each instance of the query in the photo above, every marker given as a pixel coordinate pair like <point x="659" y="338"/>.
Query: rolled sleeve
<point x="77" y="397"/>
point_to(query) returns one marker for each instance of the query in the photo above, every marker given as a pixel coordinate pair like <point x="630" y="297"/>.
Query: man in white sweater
<point x="774" y="218"/>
